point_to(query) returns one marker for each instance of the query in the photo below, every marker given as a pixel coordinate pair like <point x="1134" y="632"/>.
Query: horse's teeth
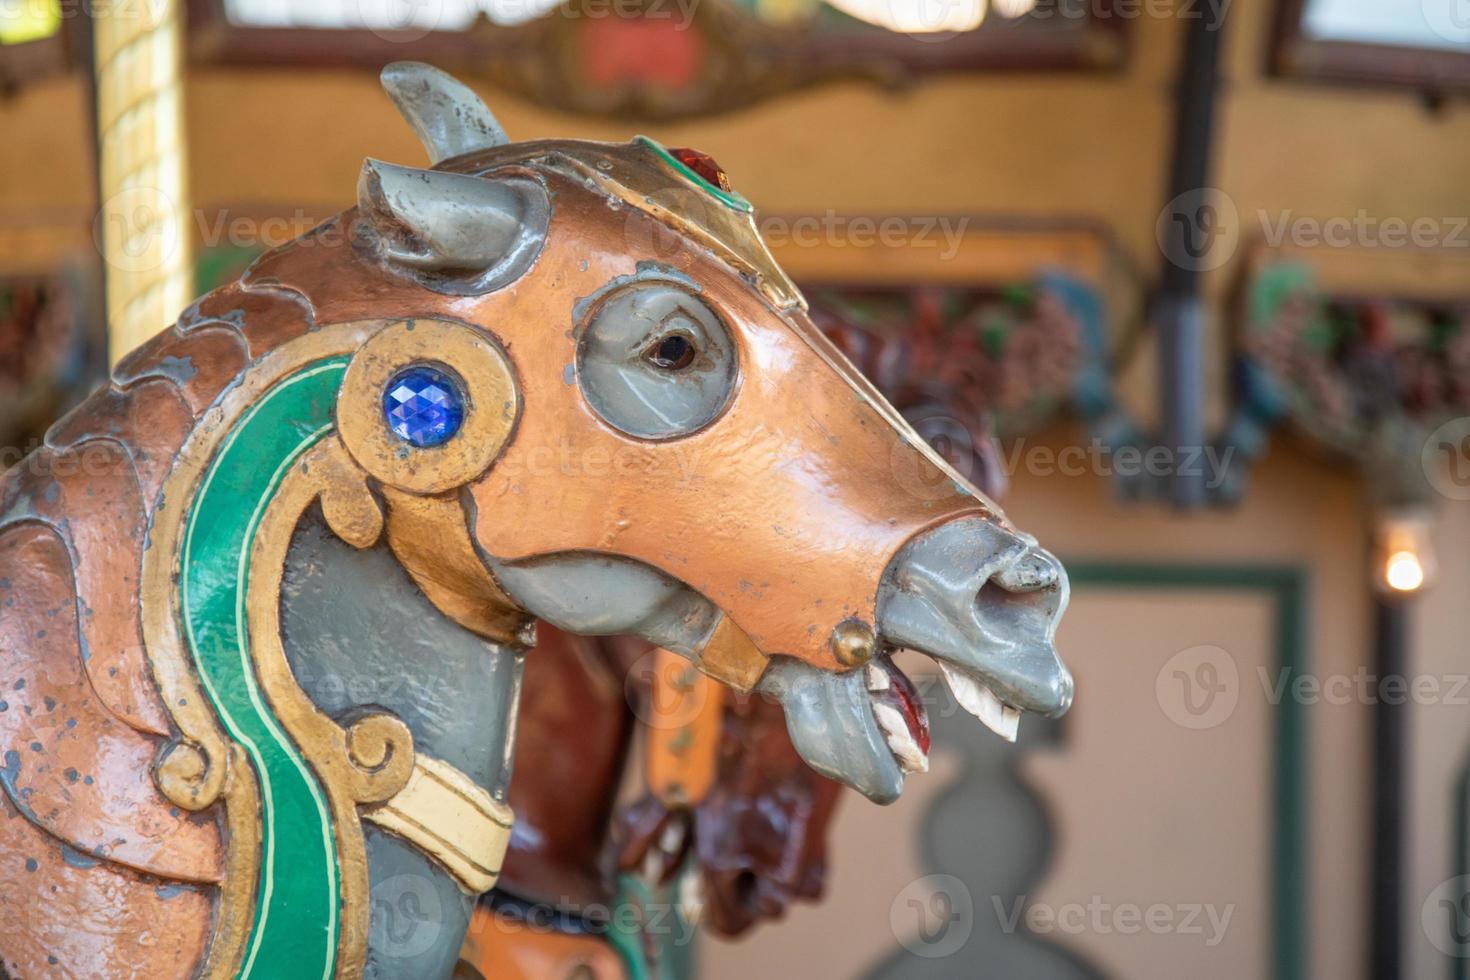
<point x="981" y="702"/>
<point x="878" y="679"/>
<point x="900" y="740"/>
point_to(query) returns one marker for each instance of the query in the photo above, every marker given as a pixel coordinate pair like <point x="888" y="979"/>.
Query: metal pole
<point x="1390" y="756"/>
<point x="1179" y="310"/>
<point x="141" y="168"/>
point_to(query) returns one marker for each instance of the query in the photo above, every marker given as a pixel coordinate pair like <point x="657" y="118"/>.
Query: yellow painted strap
<point x="456" y="822"/>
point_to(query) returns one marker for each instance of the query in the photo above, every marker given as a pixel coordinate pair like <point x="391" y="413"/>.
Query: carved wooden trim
<point x="533" y="59"/>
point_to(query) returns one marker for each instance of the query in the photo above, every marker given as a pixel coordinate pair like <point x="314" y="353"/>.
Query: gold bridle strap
<point x="732" y="658"/>
<point x="452" y="820"/>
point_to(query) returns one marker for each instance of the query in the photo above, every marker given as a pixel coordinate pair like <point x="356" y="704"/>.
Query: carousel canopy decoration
<point x="661" y="59"/>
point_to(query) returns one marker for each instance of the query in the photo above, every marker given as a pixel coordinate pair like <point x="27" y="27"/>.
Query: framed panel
<point x="1286" y="589"/>
<point x="1404" y="43"/>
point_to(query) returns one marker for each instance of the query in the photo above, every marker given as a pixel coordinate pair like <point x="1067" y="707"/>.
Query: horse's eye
<point x="673" y="353"/>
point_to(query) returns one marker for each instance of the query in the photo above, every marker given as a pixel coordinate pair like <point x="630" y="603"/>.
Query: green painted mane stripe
<point x="294" y="934"/>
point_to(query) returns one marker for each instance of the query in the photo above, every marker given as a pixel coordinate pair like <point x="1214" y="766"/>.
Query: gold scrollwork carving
<point x="367" y="760"/>
<point x="492" y="404"/>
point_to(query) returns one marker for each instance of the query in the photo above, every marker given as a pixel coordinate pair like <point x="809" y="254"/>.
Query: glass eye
<point x="673" y="353"/>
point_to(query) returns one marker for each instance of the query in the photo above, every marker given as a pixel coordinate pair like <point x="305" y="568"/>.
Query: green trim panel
<point x="294" y="933"/>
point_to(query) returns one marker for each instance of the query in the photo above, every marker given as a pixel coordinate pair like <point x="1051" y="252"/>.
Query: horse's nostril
<point x="1033" y="570"/>
<point x="997" y="595"/>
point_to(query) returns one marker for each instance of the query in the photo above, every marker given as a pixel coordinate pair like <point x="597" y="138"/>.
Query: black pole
<point x="1390" y="739"/>
<point x="1178" y="311"/>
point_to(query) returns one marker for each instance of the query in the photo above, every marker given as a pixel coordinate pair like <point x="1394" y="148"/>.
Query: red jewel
<point x="703" y="164"/>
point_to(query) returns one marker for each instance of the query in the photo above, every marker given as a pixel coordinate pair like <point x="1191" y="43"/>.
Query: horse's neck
<point x="359" y="633"/>
<point x="564" y="796"/>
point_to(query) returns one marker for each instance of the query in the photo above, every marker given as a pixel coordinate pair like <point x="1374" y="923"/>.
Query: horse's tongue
<point x="900" y="713"/>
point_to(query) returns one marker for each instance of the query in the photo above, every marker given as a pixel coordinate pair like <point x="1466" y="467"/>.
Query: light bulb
<point x="1404" y="572"/>
<point x="1403" y="552"/>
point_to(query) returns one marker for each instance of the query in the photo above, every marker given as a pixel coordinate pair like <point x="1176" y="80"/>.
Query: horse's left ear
<point x="449" y="119"/>
<point x="455" y="233"/>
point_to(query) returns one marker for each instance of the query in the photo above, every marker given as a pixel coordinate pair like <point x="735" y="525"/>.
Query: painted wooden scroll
<point x="264" y="600"/>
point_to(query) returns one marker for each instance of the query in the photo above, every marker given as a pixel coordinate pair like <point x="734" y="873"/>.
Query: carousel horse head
<point x="601" y="362"/>
<point x="286" y="562"/>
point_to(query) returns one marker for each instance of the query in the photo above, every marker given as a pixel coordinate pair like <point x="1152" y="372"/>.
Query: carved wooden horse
<point x="263" y="600"/>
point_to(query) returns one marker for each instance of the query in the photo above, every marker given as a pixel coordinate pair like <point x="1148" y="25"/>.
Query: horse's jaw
<point x="983" y="602"/>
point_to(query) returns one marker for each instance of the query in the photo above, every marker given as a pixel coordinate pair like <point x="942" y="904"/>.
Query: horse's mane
<point x="81" y="720"/>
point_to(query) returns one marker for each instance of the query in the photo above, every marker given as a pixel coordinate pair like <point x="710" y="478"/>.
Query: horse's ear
<point x="449" y="119"/>
<point x="456" y="233"/>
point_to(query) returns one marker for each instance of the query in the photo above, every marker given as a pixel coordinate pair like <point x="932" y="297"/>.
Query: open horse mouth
<point x="982" y="601"/>
<point x="899" y="709"/>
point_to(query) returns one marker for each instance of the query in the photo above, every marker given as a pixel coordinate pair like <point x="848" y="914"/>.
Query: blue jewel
<point x="424" y="406"/>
